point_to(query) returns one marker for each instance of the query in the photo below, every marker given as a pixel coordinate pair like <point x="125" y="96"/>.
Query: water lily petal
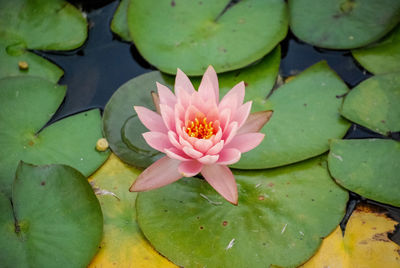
<point x="202" y="145"/>
<point x="182" y="83"/>
<point x="242" y="113"/>
<point x="246" y="142"/>
<point x="151" y="120"/>
<point x="221" y="179"/>
<point x="166" y="95"/>
<point x="164" y="171"/>
<point x="255" y="122"/>
<point x="224" y="118"/>
<point x="177" y="154"/>
<point x="173" y="138"/>
<point x="208" y="88"/>
<point x="192" y="152"/>
<point x="230" y="132"/>
<point x="233" y="98"/>
<point x="190" y="168"/>
<point x="216" y="148"/>
<point x="157" y="140"/>
<point x="168" y="116"/>
<point x="229" y="156"/>
<point x="208" y="159"/>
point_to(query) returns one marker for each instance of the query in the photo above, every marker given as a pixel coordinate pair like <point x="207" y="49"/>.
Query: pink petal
<point x="166" y="95"/>
<point x="229" y="156"/>
<point x="255" y="122"/>
<point x="242" y="113"/>
<point x="190" y="168"/>
<point x="157" y="140"/>
<point x="173" y="138"/>
<point x="222" y="180"/>
<point x="217" y="137"/>
<point x="233" y="98"/>
<point x="176" y="154"/>
<point x="208" y="159"/>
<point x="150" y="119"/>
<point x="184" y="98"/>
<point x="224" y="118"/>
<point x="168" y="116"/>
<point x="184" y="142"/>
<point x="164" y="171"/>
<point x="230" y="132"/>
<point x="208" y="88"/>
<point x="192" y="152"/>
<point x="246" y="142"/>
<point x="182" y="83"/>
<point x="202" y="145"/>
<point x="216" y="148"/>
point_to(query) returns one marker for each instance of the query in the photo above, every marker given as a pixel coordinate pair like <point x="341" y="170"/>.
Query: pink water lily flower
<point x="199" y="134"/>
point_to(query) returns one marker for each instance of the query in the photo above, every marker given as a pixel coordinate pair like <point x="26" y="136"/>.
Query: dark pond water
<point x="94" y="71"/>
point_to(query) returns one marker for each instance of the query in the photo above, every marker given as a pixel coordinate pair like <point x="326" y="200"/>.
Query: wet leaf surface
<point x="53" y="219"/>
<point x="306" y="116"/>
<point x="10" y="57"/>
<point x="338" y="24"/>
<point x="22" y="23"/>
<point x="281" y="217"/>
<point x="26" y="105"/>
<point x="382" y="57"/>
<point x="119" y="23"/>
<point x="192" y="36"/>
<point x="123" y="243"/>
<point x="368" y="167"/>
<point x="365" y="243"/>
<point x="375" y="103"/>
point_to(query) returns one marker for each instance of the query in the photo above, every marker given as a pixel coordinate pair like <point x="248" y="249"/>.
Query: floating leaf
<point x="119" y="23"/>
<point x="375" y="103"/>
<point x="191" y="36"/>
<point x="53" y="219"/>
<point x="281" y="217"/>
<point x="42" y="24"/>
<point x="26" y="104"/>
<point x="364" y="244"/>
<point x="37" y="66"/>
<point x="339" y="24"/>
<point x="383" y="57"/>
<point x="124" y="130"/>
<point x="306" y="116"/>
<point x="123" y="243"/>
<point x="369" y="167"/>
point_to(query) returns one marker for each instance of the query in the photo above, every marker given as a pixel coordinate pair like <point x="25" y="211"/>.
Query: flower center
<point x="200" y="129"/>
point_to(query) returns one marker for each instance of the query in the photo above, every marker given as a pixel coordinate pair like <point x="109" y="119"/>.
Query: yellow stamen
<point x="200" y="129"/>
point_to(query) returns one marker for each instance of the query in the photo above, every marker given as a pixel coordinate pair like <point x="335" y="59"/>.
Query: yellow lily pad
<point x="364" y="244"/>
<point x="123" y="244"/>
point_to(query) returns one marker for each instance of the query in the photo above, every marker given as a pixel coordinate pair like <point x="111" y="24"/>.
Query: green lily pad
<point x="123" y="243"/>
<point x="281" y="218"/>
<point x="342" y="24"/>
<point x="37" y="66"/>
<point x="119" y="23"/>
<point x="368" y="167"/>
<point x="53" y="219"/>
<point x="306" y="116"/>
<point x="375" y="103"/>
<point x="192" y="36"/>
<point x="119" y="112"/>
<point x="26" y="105"/>
<point x="383" y="57"/>
<point x="42" y="24"/>
<point x="124" y="130"/>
